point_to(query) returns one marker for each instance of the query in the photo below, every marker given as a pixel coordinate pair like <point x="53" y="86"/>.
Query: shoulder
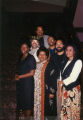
<point x="38" y="63"/>
<point x="53" y="57"/>
<point x="78" y="65"/>
<point x="78" y="62"/>
<point x="45" y="36"/>
<point x="31" y="57"/>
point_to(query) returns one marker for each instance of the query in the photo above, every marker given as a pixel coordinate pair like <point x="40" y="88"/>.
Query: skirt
<point x="71" y="102"/>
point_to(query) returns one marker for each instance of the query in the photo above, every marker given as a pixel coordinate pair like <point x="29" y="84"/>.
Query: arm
<point x="31" y="73"/>
<point x="60" y="90"/>
<point x="32" y="64"/>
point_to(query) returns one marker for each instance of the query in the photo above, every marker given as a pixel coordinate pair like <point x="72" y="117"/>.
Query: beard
<point x="51" y="44"/>
<point x="60" y="49"/>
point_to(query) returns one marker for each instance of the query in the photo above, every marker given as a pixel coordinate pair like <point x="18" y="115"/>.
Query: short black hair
<point x="44" y="50"/>
<point x="51" y="36"/>
<point x="34" y="39"/>
<point x="75" y="49"/>
<point x="60" y="38"/>
<point x="40" y="26"/>
<point x="24" y="42"/>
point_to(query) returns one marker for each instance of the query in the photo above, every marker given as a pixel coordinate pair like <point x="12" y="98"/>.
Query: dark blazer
<point x="58" y="61"/>
<point x="67" y="73"/>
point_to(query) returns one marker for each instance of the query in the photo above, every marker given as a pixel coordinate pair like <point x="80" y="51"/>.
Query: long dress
<point x="25" y="86"/>
<point x="39" y="91"/>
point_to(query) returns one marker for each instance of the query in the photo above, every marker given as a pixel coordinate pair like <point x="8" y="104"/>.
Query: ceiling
<point x="54" y="2"/>
<point x="34" y="5"/>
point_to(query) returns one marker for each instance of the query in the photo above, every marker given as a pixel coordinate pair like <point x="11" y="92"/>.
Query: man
<point x="59" y="60"/>
<point x="42" y="38"/>
<point x="52" y="74"/>
<point x="51" y="42"/>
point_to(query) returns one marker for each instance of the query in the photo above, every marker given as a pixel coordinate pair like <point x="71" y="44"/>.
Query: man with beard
<point x="59" y="58"/>
<point x="52" y="74"/>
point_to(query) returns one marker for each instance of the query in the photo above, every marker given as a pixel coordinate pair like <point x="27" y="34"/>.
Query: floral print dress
<point x="38" y="89"/>
<point x="71" y="104"/>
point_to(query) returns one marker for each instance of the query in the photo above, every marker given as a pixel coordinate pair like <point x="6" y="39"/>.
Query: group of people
<point x="47" y="79"/>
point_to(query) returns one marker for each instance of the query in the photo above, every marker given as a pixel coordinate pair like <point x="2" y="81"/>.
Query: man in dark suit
<point x="52" y="74"/>
<point x="42" y="37"/>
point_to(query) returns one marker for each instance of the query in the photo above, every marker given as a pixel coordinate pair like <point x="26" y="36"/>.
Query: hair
<point x="24" y="43"/>
<point x="75" y="49"/>
<point x="44" y="50"/>
<point x="60" y="38"/>
<point x="52" y="37"/>
<point x="39" y="26"/>
<point x="35" y="38"/>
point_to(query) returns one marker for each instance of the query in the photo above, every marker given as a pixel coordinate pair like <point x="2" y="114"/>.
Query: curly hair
<point x="44" y="50"/>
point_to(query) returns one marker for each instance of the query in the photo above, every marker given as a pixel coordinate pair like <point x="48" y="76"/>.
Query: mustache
<point x="59" y="50"/>
<point x="59" y="47"/>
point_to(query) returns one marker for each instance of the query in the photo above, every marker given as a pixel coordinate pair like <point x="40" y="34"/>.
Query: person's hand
<point x="60" y="93"/>
<point x="60" y="83"/>
<point x="16" y="77"/>
<point x="51" y="95"/>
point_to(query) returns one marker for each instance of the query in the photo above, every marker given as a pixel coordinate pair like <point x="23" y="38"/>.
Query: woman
<point x="70" y="86"/>
<point x="34" y="48"/>
<point x="24" y="81"/>
<point x="40" y="84"/>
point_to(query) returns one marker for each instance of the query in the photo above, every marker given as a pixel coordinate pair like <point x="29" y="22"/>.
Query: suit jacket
<point x="45" y="37"/>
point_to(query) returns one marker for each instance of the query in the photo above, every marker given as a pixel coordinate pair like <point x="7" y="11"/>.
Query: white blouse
<point x="75" y="72"/>
<point x="34" y="53"/>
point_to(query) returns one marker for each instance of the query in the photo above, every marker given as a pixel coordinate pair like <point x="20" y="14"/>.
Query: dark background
<point x="18" y="22"/>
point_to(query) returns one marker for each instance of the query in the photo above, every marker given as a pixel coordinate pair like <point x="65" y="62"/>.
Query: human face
<point x="39" y="31"/>
<point x="59" y="45"/>
<point x="51" y="41"/>
<point x="70" y="52"/>
<point x="34" y="44"/>
<point x="42" y="56"/>
<point x="24" y="49"/>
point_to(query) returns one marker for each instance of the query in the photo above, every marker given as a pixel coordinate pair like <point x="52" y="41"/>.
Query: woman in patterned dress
<point x="69" y="86"/>
<point x="39" y="84"/>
